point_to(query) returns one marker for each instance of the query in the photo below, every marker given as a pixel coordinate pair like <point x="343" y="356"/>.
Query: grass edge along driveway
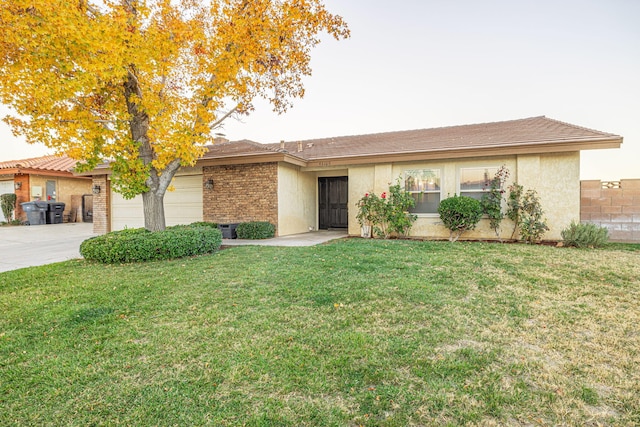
<point x="356" y="332"/>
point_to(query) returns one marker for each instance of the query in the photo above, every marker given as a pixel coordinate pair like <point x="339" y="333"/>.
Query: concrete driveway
<point x="28" y="246"/>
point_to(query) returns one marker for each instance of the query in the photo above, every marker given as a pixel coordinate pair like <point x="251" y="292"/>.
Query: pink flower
<point x="384" y="195"/>
<point x="366" y="194"/>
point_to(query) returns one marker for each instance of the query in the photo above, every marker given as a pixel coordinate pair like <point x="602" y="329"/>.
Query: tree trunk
<point x="153" y="208"/>
<point x="157" y="181"/>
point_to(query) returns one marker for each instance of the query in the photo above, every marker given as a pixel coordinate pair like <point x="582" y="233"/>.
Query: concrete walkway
<point x="304" y="239"/>
<point x="29" y="246"/>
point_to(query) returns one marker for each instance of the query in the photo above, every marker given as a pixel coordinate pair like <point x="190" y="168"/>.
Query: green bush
<point x="139" y="244"/>
<point x="8" y="205"/>
<point x="388" y="213"/>
<point x="584" y="235"/>
<point x="204" y="224"/>
<point x="255" y="230"/>
<point x="459" y="214"/>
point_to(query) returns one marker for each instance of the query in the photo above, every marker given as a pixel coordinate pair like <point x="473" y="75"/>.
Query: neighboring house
<point x="315" y="184"/>
<point x="47" y="178"/>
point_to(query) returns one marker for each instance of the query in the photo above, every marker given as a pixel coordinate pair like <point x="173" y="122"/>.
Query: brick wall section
<point x="101" y="212"/>
<point x="241" y="193"/>
<point x="617" y="209"/>
<point x="22" y="195"/>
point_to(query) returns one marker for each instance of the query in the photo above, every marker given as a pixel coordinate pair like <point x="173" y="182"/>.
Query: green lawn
<point x="356" y="332"/>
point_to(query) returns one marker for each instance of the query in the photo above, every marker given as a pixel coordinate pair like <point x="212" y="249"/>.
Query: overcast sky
<point x="413" y="64"/>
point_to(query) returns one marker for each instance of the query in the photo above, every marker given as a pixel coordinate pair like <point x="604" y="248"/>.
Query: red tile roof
<point x="45" y="163"/>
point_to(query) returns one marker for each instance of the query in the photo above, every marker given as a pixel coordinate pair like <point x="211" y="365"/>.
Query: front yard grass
<point x="355" y="332"/>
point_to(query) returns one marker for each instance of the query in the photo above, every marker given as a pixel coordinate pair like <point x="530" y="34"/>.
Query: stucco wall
<point x="298" y="192"/>
<point x="65" y="187"/>
<point x="559" y="188"/>
<point x="554" y="176"/>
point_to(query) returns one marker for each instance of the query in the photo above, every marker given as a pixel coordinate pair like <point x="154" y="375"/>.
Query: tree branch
<point x="223" y="118"/>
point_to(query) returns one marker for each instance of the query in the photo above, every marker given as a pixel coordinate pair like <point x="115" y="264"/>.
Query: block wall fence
<point x="614" y="205"/>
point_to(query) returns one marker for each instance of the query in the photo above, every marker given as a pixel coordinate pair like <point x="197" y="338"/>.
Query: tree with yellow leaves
<point x="143" y="84"/>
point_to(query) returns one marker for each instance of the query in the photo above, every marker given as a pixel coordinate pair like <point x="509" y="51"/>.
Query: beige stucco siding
<point x="182" y="206"/>
<point x="559" y="188"/>
<point x="361" y="179"/>
<point x="554" y="176"/>
<point x="65" y="187"/>
<point x="297" y="193"/>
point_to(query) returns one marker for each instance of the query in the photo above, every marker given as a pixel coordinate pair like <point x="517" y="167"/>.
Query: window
<point x="474" y="181"/>
<point x="424" y="186"/>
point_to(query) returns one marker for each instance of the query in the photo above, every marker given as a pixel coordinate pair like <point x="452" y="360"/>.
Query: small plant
<point x="459" y="214"/>
<point x="492" y="199"/>
<point x="388" y="213"/>
<point x="584" y="235"/>
<point x="140" y="245"/>
<point x="532" y="225"/>
<point x="514" y="206"/>
<point x="399" y="202"/>
<point x="367" y="208"/>
<point x="8" y="205"/>
<point x="525" y="210"/>
<point x="255" y="230"/>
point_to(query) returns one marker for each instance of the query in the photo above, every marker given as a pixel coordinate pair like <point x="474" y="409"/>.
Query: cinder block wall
<point x="241" y="193"/>
<point x="614" y="205"/>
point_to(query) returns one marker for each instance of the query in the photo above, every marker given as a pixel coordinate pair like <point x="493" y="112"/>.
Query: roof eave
<point x="252" y="158"/>
<point x="33" y="171"/>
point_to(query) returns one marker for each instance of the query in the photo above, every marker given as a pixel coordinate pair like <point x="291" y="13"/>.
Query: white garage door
<point x="5" y="187"/>
<point x="182" y="206"/>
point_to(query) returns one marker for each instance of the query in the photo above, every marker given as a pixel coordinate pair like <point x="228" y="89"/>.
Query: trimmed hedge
<point x="459" y="214"/>
<point x="204" y="224"/>
<point x="255" y="230"/>
<point x="140" y="245"/>
<point x="585" y="235"/>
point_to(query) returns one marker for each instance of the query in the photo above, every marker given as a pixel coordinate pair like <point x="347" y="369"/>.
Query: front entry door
<point x="333" y="204"/>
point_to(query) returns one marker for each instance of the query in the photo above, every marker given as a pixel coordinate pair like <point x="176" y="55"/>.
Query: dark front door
<point x="334" y="198"/>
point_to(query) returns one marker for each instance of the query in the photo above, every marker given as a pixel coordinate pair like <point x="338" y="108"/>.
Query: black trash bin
<point x="54" y="212"/>
<point x="228" y="230"/>
<point x="36" y="212"/>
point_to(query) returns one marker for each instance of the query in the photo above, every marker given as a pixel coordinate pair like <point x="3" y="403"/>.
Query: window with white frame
<point x="475" y="181"/>
<point x="424" y="186"/>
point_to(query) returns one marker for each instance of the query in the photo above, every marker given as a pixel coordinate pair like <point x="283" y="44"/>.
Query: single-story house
<point x="315" y="184"/>
<point x="47" y="178"/>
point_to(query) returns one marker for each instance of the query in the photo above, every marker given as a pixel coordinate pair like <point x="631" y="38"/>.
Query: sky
<point x="415" y="64"/>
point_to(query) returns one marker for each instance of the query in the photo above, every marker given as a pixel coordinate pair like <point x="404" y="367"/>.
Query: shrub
<point x="255" y="230"/>
<point x="388" y="213"/>
<point x="492" y="199"/>
<point x="139" y="244"/>
<point x="8" y="205"/>
<point x="459" y="214"/>
<point x="525" y="210"/>
<point x="585" y="235"/>
<point x="204" y="224"/>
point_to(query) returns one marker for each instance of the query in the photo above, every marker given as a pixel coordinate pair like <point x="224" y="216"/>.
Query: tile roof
<point x="237" y="148"/>
<point x="536" y="133"/>
<point x="45" y="163"/>
<point x="523" y="132"/>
